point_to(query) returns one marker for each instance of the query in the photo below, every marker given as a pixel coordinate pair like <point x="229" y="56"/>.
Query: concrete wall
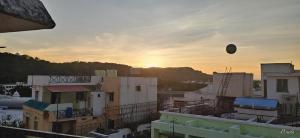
<point x="36" y="115"/>
<point x="293" y="88"/>
<point x="111" y="85"/>
<point x="37" y="90"/>
<point x="129" y="94"/>
<point x="272" y="72"/>
<point x="98" y="103"/>
<point x="240" y="84"/>
<point x="212" y="127"/>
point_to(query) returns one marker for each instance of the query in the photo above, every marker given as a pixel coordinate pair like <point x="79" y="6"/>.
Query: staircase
<point x="222" y="90"/>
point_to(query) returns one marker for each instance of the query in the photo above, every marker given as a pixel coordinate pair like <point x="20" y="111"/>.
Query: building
<point x="79" y="104"/>
<point x="282" y="82"/>
<point x="63" y="104"/>
<point x="8" y="87"/>
<point x="232" y="84"/>
<point x="197" y="126"/>
<point x="135" y="100"/>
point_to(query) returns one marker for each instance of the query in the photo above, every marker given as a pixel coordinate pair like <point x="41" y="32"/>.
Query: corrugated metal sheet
<point x="36" y="105"/>
<point x="256" y="103"/>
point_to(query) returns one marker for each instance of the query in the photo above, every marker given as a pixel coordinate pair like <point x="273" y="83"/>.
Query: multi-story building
<point x="282" y="82"/>
<point x="64" y="103"/>
<point x="135" y="100"/>
<point x="79" y="104"/>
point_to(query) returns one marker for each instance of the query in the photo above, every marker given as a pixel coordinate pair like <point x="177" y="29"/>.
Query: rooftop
<point x="256" y="103"/>
<point x="36" y="105"/>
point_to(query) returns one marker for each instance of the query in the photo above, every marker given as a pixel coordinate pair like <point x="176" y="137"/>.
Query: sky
<point x="167" y="33"/>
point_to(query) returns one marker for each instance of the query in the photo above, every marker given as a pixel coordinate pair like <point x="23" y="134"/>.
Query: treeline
<point x="16" y="68"/>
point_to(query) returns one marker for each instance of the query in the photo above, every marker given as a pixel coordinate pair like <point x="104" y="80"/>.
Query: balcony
<point x="64" y="112"/>
<point x="71" y="114"/>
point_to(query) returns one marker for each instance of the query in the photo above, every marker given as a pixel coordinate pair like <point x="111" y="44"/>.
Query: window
<point x="282" y="85"/>
<point x="111" y="97"/>
<point x="55" y="98"/>
<point x="80" y="96"/>
<point x="36" y="95"/>
<point x="99" y="95"/>
<point x="111" y="124"/>
<point x="138" y="88"/>
<point x="35" y="127"/>
<point x="27" y="122"/>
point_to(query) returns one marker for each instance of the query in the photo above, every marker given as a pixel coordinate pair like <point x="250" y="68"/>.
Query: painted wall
<point x="240" y="84"/>
<point x="98" y="103"/>
<point x="35" y="115"/>
<point x="37" y="90"/>
<point x="268" y="69"/>
<point x="293" y="88"/>
<point x="129" y="94"/>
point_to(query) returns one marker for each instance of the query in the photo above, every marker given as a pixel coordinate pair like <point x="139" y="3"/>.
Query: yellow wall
<point x="46" y="96"/>
<point x="112" y="85"/>
<point x="36" y="115"/>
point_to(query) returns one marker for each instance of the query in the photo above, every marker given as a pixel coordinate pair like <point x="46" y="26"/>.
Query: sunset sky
<point x="167" y="33"/>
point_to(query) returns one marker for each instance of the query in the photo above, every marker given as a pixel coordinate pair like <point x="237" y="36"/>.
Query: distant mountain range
<point x="16" y="67"/>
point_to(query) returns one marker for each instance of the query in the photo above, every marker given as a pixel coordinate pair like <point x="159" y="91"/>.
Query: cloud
<point x="181" y="33"/>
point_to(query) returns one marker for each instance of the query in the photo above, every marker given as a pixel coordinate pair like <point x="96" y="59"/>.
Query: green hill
<point x="15" y="67"/>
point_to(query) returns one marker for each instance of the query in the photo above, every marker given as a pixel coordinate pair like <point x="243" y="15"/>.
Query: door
<point x="265" y="88"/>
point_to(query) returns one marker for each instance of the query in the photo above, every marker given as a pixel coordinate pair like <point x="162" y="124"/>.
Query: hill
<point x="16" y="67"/>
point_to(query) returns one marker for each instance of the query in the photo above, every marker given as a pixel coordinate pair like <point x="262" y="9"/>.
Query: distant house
<point x="282" y="82"/>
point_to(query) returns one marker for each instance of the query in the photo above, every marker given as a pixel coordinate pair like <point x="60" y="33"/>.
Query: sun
<point x="152" y="62"/>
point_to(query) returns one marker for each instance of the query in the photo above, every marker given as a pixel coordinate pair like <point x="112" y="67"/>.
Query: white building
<point x="9" y="87"/>
<point x="281" y="81"/>
<point x="233" y="84"/>
<point x="134" y="90"/>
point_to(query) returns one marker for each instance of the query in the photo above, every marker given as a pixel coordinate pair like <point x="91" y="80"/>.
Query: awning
<point x="67" y="88"/>
<point x="23" y="15"/>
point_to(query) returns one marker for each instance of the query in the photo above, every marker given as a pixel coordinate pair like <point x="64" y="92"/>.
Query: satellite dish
<point x="231" y="49"/>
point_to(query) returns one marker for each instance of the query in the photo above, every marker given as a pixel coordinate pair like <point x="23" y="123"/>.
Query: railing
<point x="69" y="114"/>
<point x="205" y="126"/>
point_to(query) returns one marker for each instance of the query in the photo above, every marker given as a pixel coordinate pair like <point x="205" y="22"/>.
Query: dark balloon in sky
<point x="231" y="49"/>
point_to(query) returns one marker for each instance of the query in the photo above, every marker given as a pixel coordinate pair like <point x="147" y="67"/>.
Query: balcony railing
<point x="72" y="113"/>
